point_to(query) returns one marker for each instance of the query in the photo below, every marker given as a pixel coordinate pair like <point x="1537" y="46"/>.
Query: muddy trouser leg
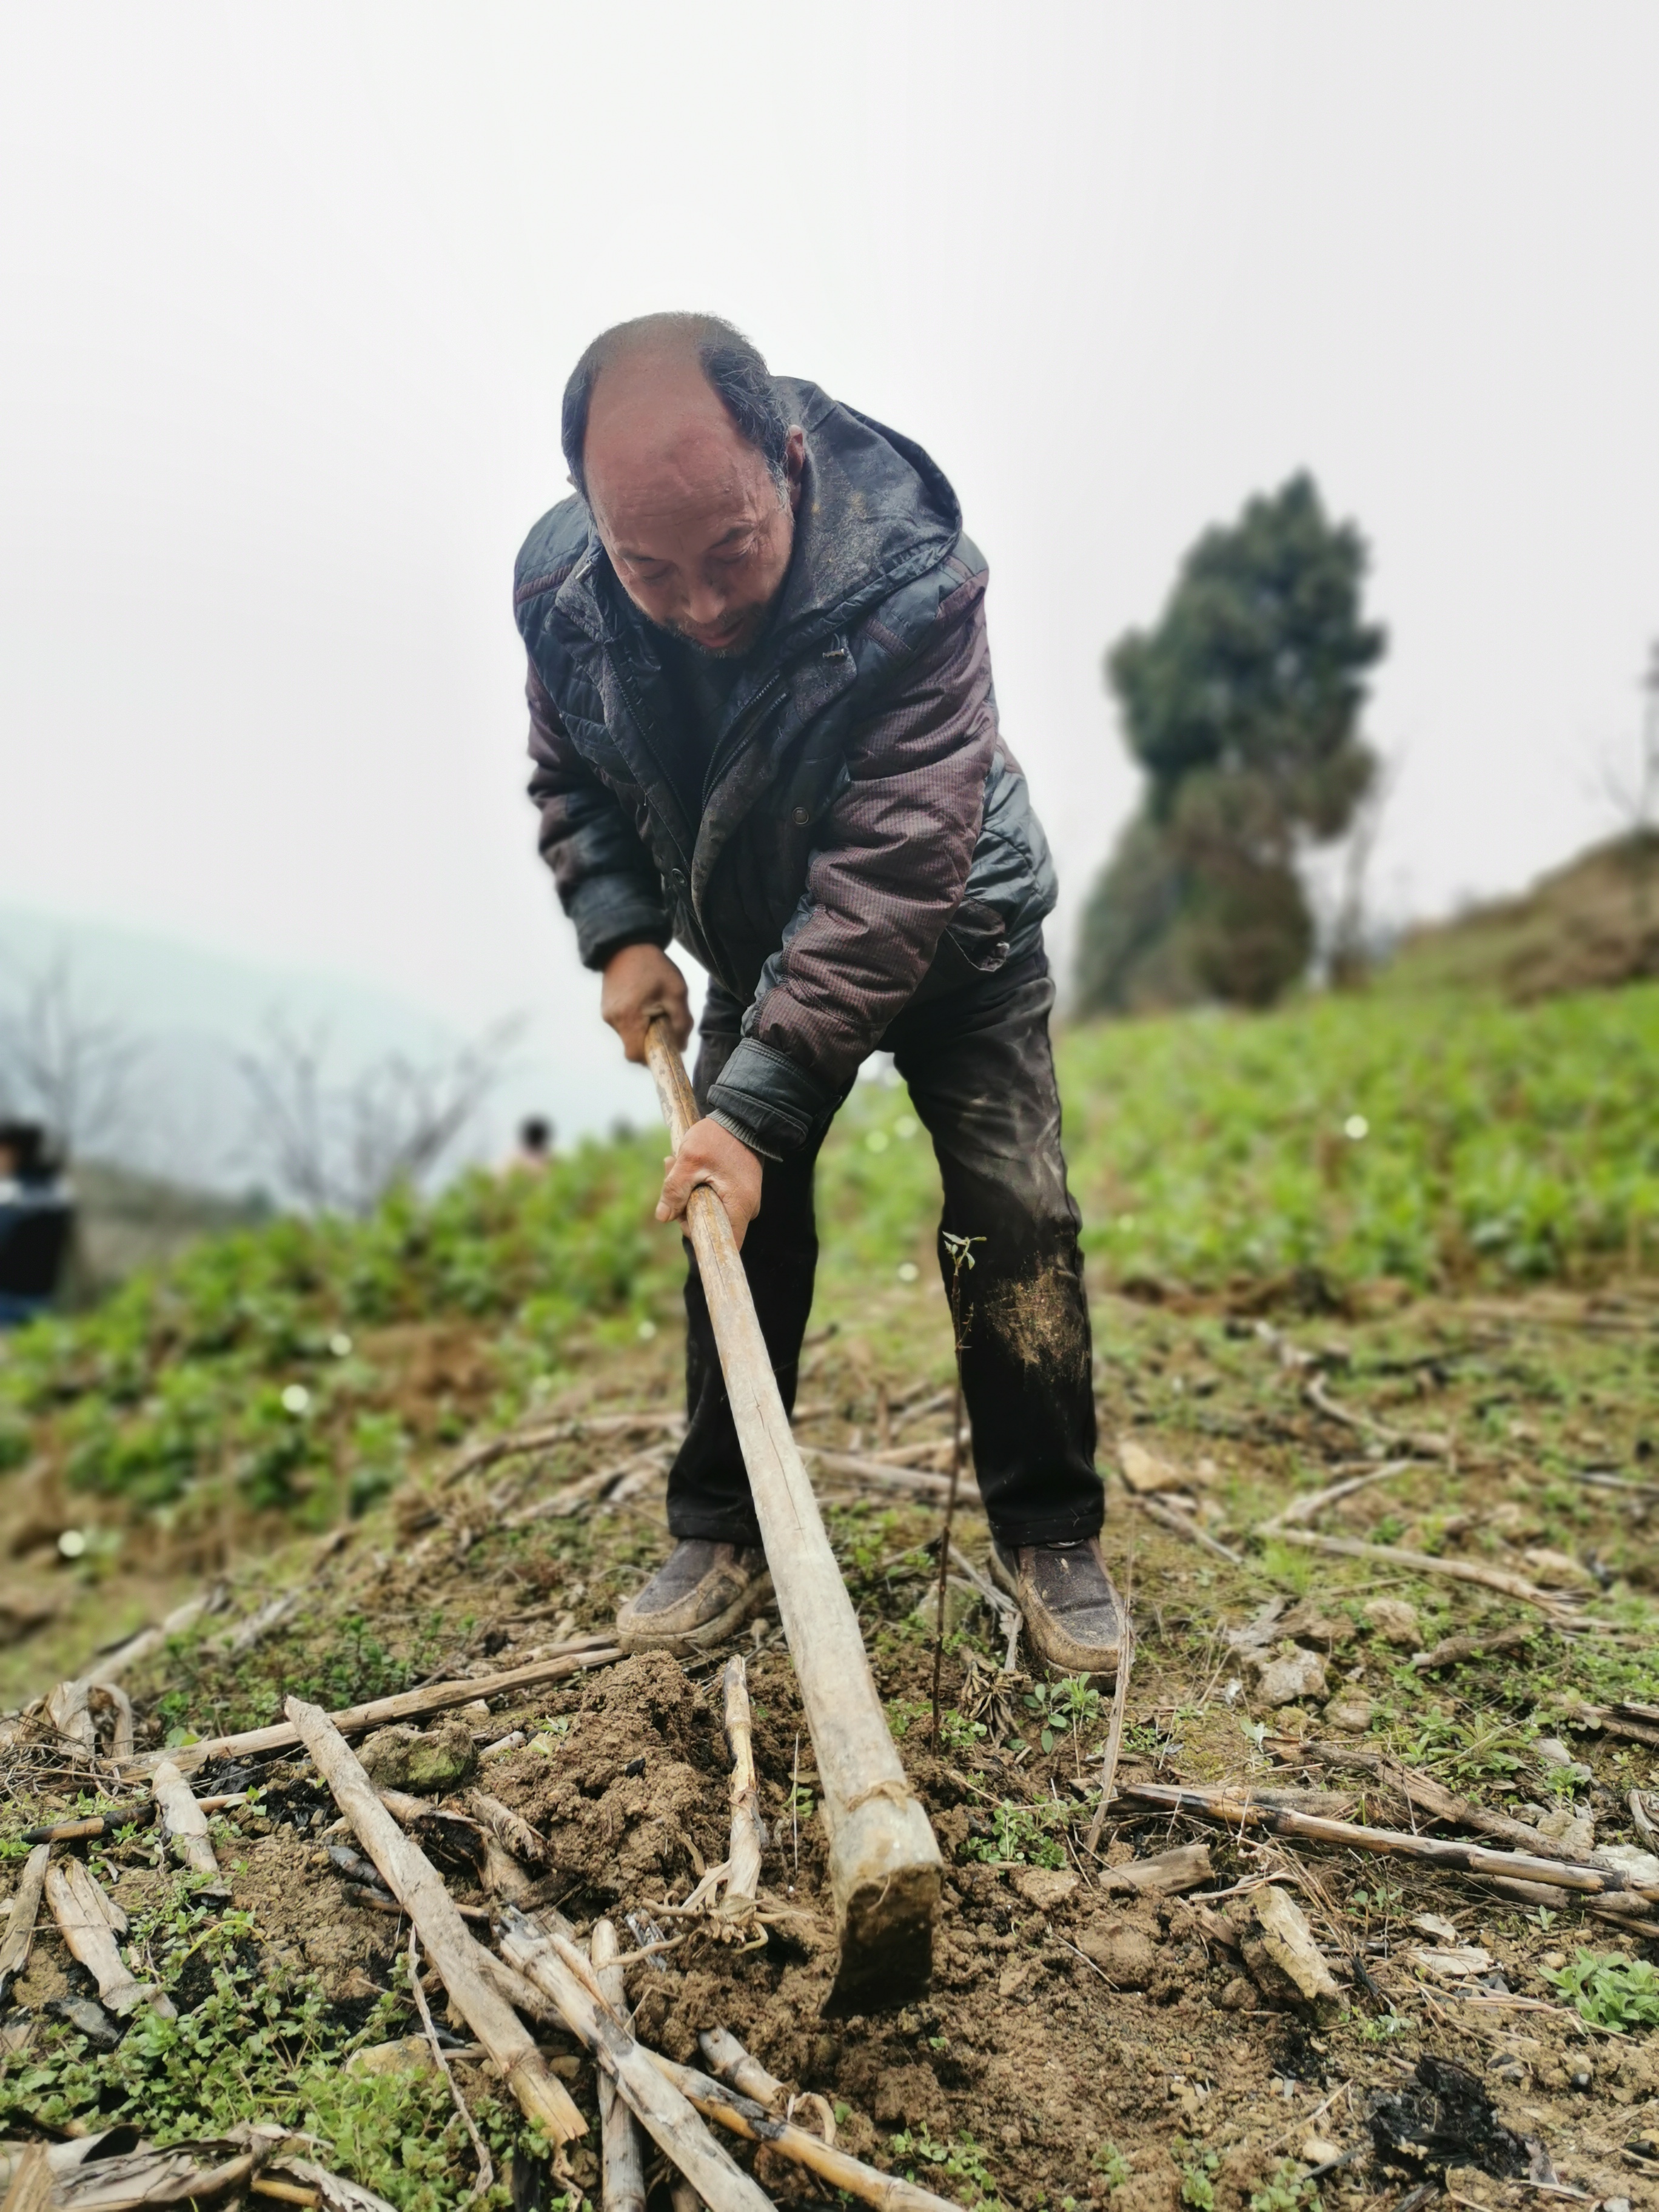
<point x="981" y="1077"/>
<point x="708" y="1485"/>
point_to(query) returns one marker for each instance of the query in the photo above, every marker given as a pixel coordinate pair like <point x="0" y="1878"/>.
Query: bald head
<point x="675" y="437"/>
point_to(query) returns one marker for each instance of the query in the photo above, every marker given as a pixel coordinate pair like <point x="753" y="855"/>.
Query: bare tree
<point x="1632" y="794"/>
<point x="1353" y="926"/>
<point x="340" y="1146"/>
<point x="63" y="1059"/>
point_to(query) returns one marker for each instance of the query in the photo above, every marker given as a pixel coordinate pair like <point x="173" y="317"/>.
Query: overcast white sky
<point x="289" y="293"/>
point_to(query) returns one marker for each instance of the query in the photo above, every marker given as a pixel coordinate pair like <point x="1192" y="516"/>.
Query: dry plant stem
<point x="1239" y="1811"/>
<point x="1302" y="1512"/>
<point x="32" y="2182"/>
<point x="435" y="1698"/>
<point x="622" y="2159"/>
<point x="884" y="1476"/>
<point x="1182" y="1524"/>
<point x="419" y="1888"/>
<point x="83" y="1915"/>
<point x="1114" y="1730"/>
<point x="885" y="1866"/>
<point x="1451" y="1648"/>
<point x="556" y="1966"/>
<point x="1424" y="1563"/>
<point x="1636" y="1723"/>
<point x="25" y="1910"/>
<point x="108" y="1667"/>
<point x="944" y="1538"/>
<point x="113" y="1693"/>
<point x="734" y="2066"/>
<point x="752" y="2121"/>
<point x="184" y="1821"/>
<point x="1425" y="1444"/>
<point x="523" y="1996"/>
<point x="492" y="1449"/>
<point x="748" y="1830"/>
<point x="1597" y="1480"/>
<point x="95" y="1824"/>
<point x="486" y="2167"/>
<point x="1426" y="1796"/>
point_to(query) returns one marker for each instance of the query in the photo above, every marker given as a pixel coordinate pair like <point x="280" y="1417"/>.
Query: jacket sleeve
<point x="606" y="881"/>
<point x="888" y="872"/>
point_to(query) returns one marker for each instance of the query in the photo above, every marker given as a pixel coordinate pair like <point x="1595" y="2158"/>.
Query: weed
<point x="1197" y="2169"/>
<point x="1020" y="1835"/>
<point x="956" y="1733"/>
<point x="258" y="2042"/>
<point x="1067" y="1706"/>
<point x="1609" y="1992"/>
<point x="1109" y="2161"/>
<point x="962" y="2161"/>
<point x="1288" y="2190"/>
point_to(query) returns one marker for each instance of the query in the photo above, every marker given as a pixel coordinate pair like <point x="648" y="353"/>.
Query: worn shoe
<point x="700" y="1594"/>
<point x="1074" y="1616"/>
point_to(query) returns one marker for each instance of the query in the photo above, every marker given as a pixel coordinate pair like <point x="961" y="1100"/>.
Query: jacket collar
<point x="875" y="512"/>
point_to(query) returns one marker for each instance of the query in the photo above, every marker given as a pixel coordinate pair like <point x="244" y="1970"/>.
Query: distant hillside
<point x="129" y="1220"/>
<point x="1588" y="925"/>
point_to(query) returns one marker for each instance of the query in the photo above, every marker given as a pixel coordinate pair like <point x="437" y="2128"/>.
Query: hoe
<point x="885" y="1869"/>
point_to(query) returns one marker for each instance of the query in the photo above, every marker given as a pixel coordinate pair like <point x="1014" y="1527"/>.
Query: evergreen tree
<point x="1243" y="705"/>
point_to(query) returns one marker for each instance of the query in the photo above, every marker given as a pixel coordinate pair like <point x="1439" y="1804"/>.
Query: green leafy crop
<point x="1609" y="1992"/>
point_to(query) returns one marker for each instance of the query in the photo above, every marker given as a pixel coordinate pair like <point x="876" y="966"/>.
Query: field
<point x="1411" y="1238"/>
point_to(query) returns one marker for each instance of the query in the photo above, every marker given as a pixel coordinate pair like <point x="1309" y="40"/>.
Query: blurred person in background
<point x="37" y="1222"/>
<point x="534" y="1148"/>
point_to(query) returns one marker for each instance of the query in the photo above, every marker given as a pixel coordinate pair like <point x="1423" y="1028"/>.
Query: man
<point x="763" y="723"/>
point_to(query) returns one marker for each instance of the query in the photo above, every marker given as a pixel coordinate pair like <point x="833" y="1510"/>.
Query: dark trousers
<point x="981" y="1078"/>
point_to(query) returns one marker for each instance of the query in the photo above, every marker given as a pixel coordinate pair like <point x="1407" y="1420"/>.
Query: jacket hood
<point x="876" y="511"/>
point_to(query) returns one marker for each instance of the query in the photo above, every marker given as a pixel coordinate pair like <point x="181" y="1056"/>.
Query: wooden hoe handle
<point x="885" y="1867"/>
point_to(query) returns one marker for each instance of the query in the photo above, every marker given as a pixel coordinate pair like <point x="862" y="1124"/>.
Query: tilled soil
<point x="1076" y="2046"/>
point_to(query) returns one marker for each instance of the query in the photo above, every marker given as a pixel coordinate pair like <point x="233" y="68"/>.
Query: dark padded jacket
<point x="865" y="835"/>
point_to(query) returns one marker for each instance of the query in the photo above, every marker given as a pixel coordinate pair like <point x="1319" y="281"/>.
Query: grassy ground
<point x="1075" y="2048"/>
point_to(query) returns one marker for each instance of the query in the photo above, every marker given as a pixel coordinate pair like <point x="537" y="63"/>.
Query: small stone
<point x="1293" y="1674"/>
<point x="1570" y="1828"/>
<point x="1306" y="1623"/>
<point x="1128" y="1958"/>
<point x="1143" y="1472"/>
<point x="1320" y="2150"/>
<point x="1552" y="1751"/>
<point x="426" y="1761"/>
<point x="1395" y="1622"/>
<point x="1555" y="1569"/>
<point x="1349" y="1713"/>
<point x="1626" y="1858"/>
<point x="1044" y="1886"/>
<point x="409" y="2054"/>
<point x="1239" y="1996"/>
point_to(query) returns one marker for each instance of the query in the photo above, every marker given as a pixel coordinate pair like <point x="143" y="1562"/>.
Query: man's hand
<point x="640" y="981"/>
<point x="713" y="1155"/>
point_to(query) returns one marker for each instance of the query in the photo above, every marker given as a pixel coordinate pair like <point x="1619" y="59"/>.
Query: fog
<point x="290" y="294"/>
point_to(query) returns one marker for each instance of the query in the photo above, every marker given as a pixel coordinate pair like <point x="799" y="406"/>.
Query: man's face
<point x="694" y="524"/>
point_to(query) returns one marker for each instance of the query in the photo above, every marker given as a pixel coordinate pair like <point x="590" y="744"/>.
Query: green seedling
<point x="1610" y="1993"/>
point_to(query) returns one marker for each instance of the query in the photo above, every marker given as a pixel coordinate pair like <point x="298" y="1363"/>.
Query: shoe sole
<point x="678" y="1642"/>
<point x="1009" y="1582"/>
